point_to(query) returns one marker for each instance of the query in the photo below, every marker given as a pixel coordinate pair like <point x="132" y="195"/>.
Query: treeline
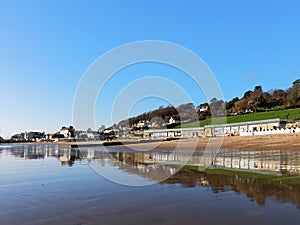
<point x="184" y="112"/>
<point x="258" y="100"/>
<point x="251" y="102"/>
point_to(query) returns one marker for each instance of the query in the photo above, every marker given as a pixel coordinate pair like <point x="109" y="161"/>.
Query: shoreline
<point x="264" y="142"/>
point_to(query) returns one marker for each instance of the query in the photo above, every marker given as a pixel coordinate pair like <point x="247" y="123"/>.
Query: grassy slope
<point x="283" y="179"/>
<point x="282" y="114"/>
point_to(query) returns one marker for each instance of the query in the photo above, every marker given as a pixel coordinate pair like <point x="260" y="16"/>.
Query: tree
<point x="72" y="131"/>
<point x="256" y="99"/>
<point x="267" y="99"/>
<point x="187" y="112"/>
<point x="213" y="100"/>
<point x="230" y="105"/>
<point x="247" y="94"/>
<point x="258" y="88"/>
<point x="241" y="105"/>
<point x="278" y="97"/>
<point x="293" y="94"/>
<point x="217" y="107"/>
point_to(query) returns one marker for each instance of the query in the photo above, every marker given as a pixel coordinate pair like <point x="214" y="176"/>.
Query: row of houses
<point x="64" y="134"/>
<point x="142" y="124"/>
<point x="28" y="136"/>
<point x="260" y="127"/>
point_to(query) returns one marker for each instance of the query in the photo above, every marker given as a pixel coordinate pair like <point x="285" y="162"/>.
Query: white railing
<point x="272" y="131"/>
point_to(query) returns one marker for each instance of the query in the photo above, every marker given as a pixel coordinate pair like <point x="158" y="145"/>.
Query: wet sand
<point x="266" y="142"/>
<point x="44" y="191"/>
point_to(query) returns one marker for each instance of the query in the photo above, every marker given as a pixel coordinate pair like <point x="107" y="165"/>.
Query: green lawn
<point x="289" y="114"/>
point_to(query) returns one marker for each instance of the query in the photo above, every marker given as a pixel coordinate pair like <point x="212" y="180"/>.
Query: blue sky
<point x="46" y="46"/>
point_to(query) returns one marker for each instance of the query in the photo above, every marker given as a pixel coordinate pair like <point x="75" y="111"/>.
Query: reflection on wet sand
<point x="279" y="161"/>
<point x="67" y="156"/>
<point x="255" y="189"/>
<point x="145" y="164"/>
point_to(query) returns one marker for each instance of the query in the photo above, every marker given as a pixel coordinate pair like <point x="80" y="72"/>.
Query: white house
<point x="65" y="131"/>
<point x="203" y="109"/>
<point x="172" y="121"/>
<point x="143" y="123"/>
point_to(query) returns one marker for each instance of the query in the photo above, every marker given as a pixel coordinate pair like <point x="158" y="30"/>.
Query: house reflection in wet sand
<point x="147" y="165"/>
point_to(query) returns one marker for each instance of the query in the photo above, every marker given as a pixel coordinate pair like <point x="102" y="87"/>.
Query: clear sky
<point x="46" y="46"/>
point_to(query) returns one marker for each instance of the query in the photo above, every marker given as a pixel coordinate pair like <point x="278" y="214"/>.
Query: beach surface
<point x="266" y="142"/>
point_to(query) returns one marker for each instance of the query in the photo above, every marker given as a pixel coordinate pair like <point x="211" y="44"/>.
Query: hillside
<point x="254" y="105"/>
<point x="288" y="114"/>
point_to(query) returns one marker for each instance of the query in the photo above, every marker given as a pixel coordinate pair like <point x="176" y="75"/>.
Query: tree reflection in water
<point x="256" y="189"/>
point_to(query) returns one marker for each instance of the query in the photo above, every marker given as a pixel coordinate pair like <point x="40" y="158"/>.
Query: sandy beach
<point x="266" y="142"/>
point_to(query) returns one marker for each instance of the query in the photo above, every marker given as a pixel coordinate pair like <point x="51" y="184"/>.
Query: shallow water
<point x="53" y="185"/>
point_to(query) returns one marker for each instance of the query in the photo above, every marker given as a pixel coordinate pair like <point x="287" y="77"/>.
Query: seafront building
<point x="251" y="128"/>
<point x="259" y="127"/>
